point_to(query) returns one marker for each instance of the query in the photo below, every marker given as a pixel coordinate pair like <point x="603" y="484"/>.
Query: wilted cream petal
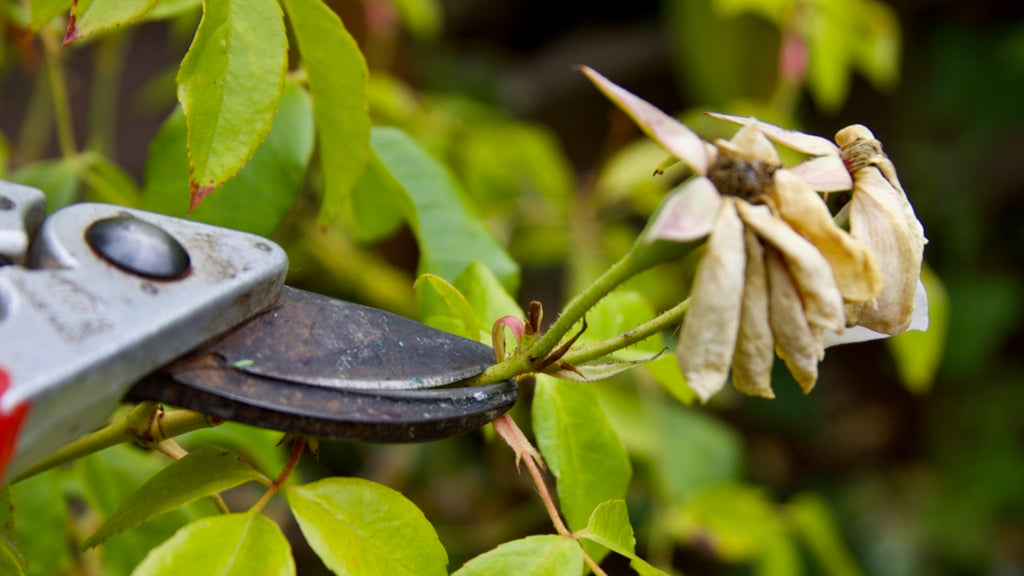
<point x="796" y="342"/>
<point x="852" y="263"/>
<point x="919" y="321"/>
<point x="806" y="143"/>
<point x="822" y="301"/>
<point x="861" y="150"/>
<point x="679" y="140"/>
<point x="878" y="220"/>
<point x="882" y="218"/>
<point x="687" y="214"/>
<point x="825" y="173"/>
<point x="749" y="142"/>
<point x="755" y="347"/>
<point x="709" y="331"/>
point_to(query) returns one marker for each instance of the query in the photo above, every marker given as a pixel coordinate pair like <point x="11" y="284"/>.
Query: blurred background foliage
<point x="907" y="459"/>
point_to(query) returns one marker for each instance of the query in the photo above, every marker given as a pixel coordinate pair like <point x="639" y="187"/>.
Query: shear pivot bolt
<point x="138" y="247"/>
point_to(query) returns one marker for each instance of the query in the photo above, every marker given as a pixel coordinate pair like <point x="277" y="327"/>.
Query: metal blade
<point x="205" y="384"/>
<point x="313" y="339"/>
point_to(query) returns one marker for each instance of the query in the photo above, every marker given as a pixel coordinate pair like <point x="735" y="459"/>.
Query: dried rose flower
<point x="778" y="274"/>
<point x="880" y="216"/>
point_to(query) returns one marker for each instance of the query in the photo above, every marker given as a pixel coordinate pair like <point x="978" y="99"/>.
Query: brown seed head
<point x="745" y="178"/>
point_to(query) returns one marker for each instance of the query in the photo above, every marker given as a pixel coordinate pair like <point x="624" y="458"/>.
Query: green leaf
<point x="508" y="165"/>
<point x="91" y="16"/>
<point x="107" y="479"/>
<point x="877" y="53"/>
<point x="58" y="179"/>
<point x="736" y="521"/>
<point x="813" y="522"/>
<point x="616" y="313"/>
<point x="545" y="555"/>
<point x="831" y="41"/>
<point x="470" y="306"/>
<point x="780" y="557"/>
<point x="593" y="371"/>
<point x="451" y="311"/>
<point x="203" y="472"/>
<point x="261" y="195"/>
<point x="361" y="528"/>
<point x="108" y="183"/>
<point x="665" y="370"/>
<point x="609" y="527"/>
<point x="337" y="80"/>
<point x="165" y="9"/>
<point x="255" y="445"/>
<point x="12" y="561"/>
<point x="486" y="296"/>
<point x="919" y="354"/>
<point x="40" y="522"/>
<point x="450" y="233"/>
<point x="695" y="450"/>
<point x="235" y="544"/>
<point x="372" y="209"/>
<point x="45" y="10"/>
<point x="774" y="11"/>
<point x="229" y="85"/>
<point x="580" y="446"/>
<point x="421" y="17"/>
<point x="741" y="67"/>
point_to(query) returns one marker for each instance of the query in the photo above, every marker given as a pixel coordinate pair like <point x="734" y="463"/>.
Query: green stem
<point x="108" y="65"/>
<point x="145" y="423"/>
<point x="641" y="257"/>
<point x="574" y="311"/>
<point x="59" y="90"/>
<point x="37" y="123"/>
<point x="659" y="323"/>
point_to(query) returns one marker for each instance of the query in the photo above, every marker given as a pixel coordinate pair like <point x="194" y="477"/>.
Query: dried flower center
<point x="743" y="177"/>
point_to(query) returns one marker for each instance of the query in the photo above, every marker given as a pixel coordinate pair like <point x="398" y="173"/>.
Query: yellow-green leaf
<point x="545" y="555"/>
<point x="337" y="81"/>
<point x="11" y="559"/>
<point x="40" y="505"/>
<point x="450" y="233"/>
<point x="91" y="16"/>
<point x="580" y="446"/>
<point x="231" y="545"/>
<point x="230" y="84"/>
<point x="202" y="472"/>
<point x="262" y="193"/>
<point x="609" y="527"/>
<point x="361" y="528"/>
<point x="918" y="354"/>
<point x="450" y="311"/>
<point x="815" y="524"/>
<point x="58" y="179"/>
<point x="665" y="370"/>
<point x="486" y="296"/>
<point x="42" y="11"/>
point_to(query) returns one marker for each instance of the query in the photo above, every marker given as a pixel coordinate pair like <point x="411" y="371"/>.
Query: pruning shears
<point x="100" y="303"/>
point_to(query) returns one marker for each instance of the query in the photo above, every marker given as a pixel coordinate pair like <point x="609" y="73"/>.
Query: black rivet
<point x="138" y="247"/>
